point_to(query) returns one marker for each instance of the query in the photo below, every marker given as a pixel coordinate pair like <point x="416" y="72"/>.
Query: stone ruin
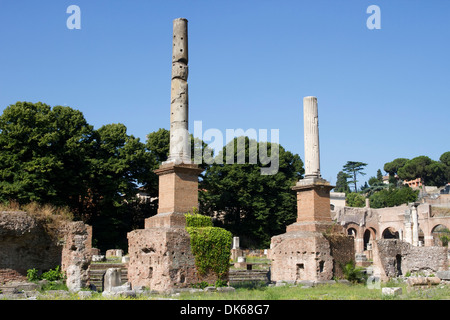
<point x="313" y="248"/>
<point x="25" y="243"/>
<point x="160" y="257"/>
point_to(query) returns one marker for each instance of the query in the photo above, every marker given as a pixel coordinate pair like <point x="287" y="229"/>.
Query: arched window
<point x="441" y="235"/>
<point x="351" y="232"/>
<point x="369" y="236"/>
<point x="390" y="233"/>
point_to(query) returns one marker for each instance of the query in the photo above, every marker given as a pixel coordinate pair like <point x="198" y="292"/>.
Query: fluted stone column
<point x="311" y="137"/>
<point x="180" y="150"/>
<point x="313" y="192"/>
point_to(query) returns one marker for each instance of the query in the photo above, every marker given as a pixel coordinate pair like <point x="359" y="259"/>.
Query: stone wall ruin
<point x="26" y="243"/>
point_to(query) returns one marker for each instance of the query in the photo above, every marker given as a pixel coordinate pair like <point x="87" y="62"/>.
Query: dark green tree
<point x="43" y="154"/>
<point x="253" y="206"/>
<point x="392" y="168"/>
<point x="354" y="168"/>
<point x="52" y="155"/>
<point x="379" y="176"/>
<point x="445" y="159"/>
<point x="355" y="199"/>
<point x="393" y="197"/>
<point x="429" y="171"/>
<point x="158" y="143"/>
<point x="341" y="182"/>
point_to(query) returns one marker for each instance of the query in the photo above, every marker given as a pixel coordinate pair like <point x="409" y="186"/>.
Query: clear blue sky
<point x="382" y="94"/>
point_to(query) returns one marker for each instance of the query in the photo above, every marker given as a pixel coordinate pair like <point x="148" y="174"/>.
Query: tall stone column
<point x="161" y="257"/>
<point x="313" y="192"/>
<point x="304" y="251"/>
<point x="415" y="224"/>
<point x="178" y="176"/>
<point x="180" y="150"/>
<point x="311" y="137"/>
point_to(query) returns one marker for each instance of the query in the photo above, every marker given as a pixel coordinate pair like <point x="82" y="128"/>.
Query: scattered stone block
<point x="209" y="289"/>
<point x="391" y="291"/>
<point x="74" y="279"/>
<point x="112" y="279"/>
<point x="85" y="294"/>
<point x="443" y="275"/>
<point x="113" y="253"/>
<point x="305" y="283"/>
<point x="422" y="281"/>
<point x="98" y="258"/>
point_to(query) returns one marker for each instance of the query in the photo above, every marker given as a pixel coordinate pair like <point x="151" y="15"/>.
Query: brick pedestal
<point x="178" y="194"/>
<point x="160" y="255"/>
<point x="313" y="206"/>
<point x="303" y="253"/>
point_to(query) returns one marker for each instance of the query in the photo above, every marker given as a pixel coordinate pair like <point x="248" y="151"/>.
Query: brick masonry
<point x="161" y="259"/>
<point x="160" y="255"/>
<point x="25" y="243"/>
<point x="313" y="248"/>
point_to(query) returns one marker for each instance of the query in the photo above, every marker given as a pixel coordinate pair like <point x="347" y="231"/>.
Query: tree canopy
<point x="52" y="155"/>
<point x="354" y="168"/>
<point x="249" y="204"/>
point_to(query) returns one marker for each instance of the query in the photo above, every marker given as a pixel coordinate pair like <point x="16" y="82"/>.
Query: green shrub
<point x="355" y="200"/>
<point x="33" y="275"/>
<point x="353" y="273"/>
<point x="53" y="275"/>
<point x="210" y="245"/>
<point x="196" y="220"/>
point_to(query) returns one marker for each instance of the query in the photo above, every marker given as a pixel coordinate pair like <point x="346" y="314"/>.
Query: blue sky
<point x="382" y="94"/>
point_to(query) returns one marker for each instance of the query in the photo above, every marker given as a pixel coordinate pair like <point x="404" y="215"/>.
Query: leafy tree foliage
<point x="353" y="168"/>
<point x="52" y="155"/>
<point x="254" y="206"/>
<point x="43" y="154"/>
<point x="393" y="197"/>
<point x="341" y="182"/>
<point x="429" y="171"/>
<point x="355" y="199"/>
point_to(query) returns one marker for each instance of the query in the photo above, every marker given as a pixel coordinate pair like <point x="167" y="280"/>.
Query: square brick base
<point x="160" y="255"/>
<point x="161" y="259"/>
<point x="303" y="252"/>
<point x="299" y="256"/>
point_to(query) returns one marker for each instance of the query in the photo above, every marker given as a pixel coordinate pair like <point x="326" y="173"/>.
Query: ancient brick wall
<point x="161" y="259"/>
<point x="300" y="255"/>
<point x="342" y="250"/>
<point x="393" y="257"/>
<point x="26" y="243"/>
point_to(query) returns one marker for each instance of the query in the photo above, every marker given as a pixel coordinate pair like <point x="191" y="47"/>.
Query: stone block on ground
<point x="443" y="275"/>
<point x="391" y="291"/>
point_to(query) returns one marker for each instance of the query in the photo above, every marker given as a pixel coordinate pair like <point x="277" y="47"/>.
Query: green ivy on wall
<point x="210" y="245"/>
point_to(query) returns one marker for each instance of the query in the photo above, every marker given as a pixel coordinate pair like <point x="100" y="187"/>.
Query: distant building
<point x="337" y="199"/>
<point x="413" y="183"/>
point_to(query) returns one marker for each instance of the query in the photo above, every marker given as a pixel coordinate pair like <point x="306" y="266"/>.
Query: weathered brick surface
<point x="25" y="243"/>
<point x="161" y="259"/>
<point x="393" y="257"/>
<point x="312" y="248"/>
<point x="300" y="255"/>
<point x="178" y="187"/>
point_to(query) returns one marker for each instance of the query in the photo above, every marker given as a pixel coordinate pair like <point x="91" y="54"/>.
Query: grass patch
<point x="337" y="291"/>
